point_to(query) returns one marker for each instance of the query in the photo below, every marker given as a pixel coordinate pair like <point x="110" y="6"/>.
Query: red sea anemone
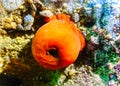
<point x="57" y="43"/>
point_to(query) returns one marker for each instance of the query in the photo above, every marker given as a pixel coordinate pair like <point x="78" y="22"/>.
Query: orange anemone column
<point x="57" y="43"/>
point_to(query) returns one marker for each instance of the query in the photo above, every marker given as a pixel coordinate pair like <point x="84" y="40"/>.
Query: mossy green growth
<point x="103" y="73"/>
<point x="105" y="54"/>
<point x="50" y="78"/>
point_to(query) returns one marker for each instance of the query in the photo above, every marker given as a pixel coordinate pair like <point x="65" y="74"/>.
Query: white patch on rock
<point x="11" y="5"/>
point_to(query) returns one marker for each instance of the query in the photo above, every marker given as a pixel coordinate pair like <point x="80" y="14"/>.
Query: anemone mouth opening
<point x="53" y="51"/>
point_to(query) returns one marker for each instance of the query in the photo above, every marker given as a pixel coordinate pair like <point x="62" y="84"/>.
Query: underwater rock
<point x="81" y="76"/>
<point x="106" y="12"/>
<point x="11" y="5"/>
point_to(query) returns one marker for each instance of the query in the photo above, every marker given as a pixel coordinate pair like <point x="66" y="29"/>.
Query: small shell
<point x="20" y="27"/>
<point x="46" y="13"/>
<point x="72" y="72"/>
<point x="28" y="19"/>
<point x="11" y="5"/>
<point x="28" y="22"/>
<point x="110" y="66"/>
<point x="76" y="17"/>
<point x="94" y="39"/>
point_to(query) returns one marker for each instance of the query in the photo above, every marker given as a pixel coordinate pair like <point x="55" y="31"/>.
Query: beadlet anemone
<point x="57" y="43"/>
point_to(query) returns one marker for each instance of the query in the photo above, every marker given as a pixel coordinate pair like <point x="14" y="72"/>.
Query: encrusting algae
<point x="54" y="42"/>
<point x="97" y="65"/>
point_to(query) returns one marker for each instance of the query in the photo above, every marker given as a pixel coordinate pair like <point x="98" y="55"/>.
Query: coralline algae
<point x="107" y="15"/>
<point x="106" y="12"/>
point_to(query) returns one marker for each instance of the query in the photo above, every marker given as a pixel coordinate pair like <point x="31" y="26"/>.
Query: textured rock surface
<point x="105" y="12"/>
<point x="11" y="5"/>
<point x="15" y="46"/>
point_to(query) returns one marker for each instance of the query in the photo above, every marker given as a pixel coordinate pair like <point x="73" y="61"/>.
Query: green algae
<point x="105" y="54"/>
